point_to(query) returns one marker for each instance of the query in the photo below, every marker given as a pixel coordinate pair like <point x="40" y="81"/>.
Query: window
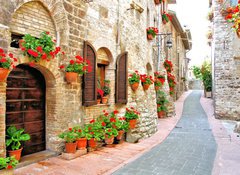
<point x="15" y="40"/>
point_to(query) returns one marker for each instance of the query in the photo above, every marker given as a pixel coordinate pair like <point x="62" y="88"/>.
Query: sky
<point x="193" y="14"/>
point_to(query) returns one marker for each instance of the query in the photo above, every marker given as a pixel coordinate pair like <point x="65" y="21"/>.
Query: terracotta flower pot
<point x="98" y="101"/>
<point x="134" y="86"/>
<point x="157" y="88"/>
<point x="120" y="135"/>
<point x="164" y="21"/>
<point x="16" y="153"/>
<point x="149" y="37"/>
<point x="7" y="172"/>
<point x="104" y="100"/>
<point x="71" y="77"/>
<point x="92" y="143"/>
<point x="157" y="2"/>
<point x="71" y="147"/>
<point x="81" y="143"/>
<point x="109" y="140"/>
<point x="132" y="123"/>
<point x="161" y="114"/>
<point x="3" y="74"/>
<point x="145" y="86"/>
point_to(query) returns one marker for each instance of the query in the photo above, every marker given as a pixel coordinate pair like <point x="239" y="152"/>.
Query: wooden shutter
<point x="121" y="95"/>
<point x="90" y="79"/>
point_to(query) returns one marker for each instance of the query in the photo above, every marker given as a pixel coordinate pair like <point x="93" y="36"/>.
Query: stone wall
<point x="111" y="26"/>
<point x="226" y="67"/>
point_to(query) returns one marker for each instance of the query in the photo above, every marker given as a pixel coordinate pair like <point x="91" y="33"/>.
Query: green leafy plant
<point x="122" y="124"/>
<point x="197" y="72"/>
<point x="146" y="79"/>
<point x="162" y="108"/>
<point x="80" y="133"/>
<point x="134" y="78"/>
<point x="79" y="66"/>
<point x="131" y="113"/>
<point x="69" y="136"/>
<point x="94" y="130"/>
<point x="166" y="17"/>
<point x="8" y="162"/>
<point x="7" y="60"/>
<point x="110" y="132"/>
<point x="152" y="31"/>
<point x="39" y="48"/>
<point x="15" y="137"/>
<point x="106" y="90"/>
<point x="162" y="101"/>
<point x="206" y="76"/>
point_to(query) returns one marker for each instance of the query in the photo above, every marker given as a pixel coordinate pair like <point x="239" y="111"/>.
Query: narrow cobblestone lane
<point x="190" y="148"/>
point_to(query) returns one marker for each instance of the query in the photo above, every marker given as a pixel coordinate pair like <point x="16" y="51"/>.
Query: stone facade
<point x="226" y="65"/>
<point x="111" y="28"/>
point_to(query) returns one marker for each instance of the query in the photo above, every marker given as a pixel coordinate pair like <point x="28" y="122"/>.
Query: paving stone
<point x="190" y="148"/>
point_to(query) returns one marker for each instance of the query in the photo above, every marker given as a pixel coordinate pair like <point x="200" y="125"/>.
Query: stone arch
<point x="57" y="13"/>
<point x="104" y="53"/>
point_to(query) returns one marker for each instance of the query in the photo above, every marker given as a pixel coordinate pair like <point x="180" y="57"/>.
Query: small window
<point x="101" y="75"/>
<point x="15" y="38"/>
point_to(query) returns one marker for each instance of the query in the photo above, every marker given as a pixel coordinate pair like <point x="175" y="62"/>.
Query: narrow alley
<point x="190" y="148"/>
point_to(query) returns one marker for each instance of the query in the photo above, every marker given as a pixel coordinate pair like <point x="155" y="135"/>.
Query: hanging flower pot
<point x="109" y="139"/>
<point x="92" y="143"/>
<point x="16" y="153"/>
<point x="134" y="86"/>
<point x="146" y="86"/>
<point x="132" y="123"/>
<point x="161" y="114"/>
<point x="120" y="135"/>
<point x="104" y="100"/>
<point x="3" y="74"/>
<point x="149" y="37"/>
<point x="71" y="147"/>
<point x="71" y="77"/>
<point x="81" y="143"/>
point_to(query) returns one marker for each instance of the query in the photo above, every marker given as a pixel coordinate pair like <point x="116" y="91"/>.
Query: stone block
<point x="70" y="156"/>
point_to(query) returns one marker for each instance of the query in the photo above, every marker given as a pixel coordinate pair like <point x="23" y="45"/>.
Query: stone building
<point x="226" y="64"/>
<point x="112" y="35"/>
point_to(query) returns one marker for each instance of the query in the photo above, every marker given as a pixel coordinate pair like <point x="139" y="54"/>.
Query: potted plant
<point x="161" y="103"/>
<point x="106" y="92"/>
<point x="42" y="48"/>
<point x="106" y="82"/>
<point x="99" y="95"/>
<point x="171" y="83"/>
<point x="151" y="32"/>
<point x="207" y="79"/>
<point x="131" y="116"/>
<point x="122" y="126"/>
<point x="6" y="63"/>
<point x="75" y="68"/>
<point x="80" y="137"/>
<point x="168" y="66"/>
<point x="134" y="80"/>
<point x="159" y="80"/>
<point x="70" y="138"/>
<point x="110" y="133"/>
<point x="166" y="17"/>
<point x="14" y="138"/>
<point x="7" y="164"/>
<point x="146" y="80"/>
<point x="94" y="132"/>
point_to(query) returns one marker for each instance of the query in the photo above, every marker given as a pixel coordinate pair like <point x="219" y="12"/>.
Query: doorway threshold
<point x="36" y="157"/>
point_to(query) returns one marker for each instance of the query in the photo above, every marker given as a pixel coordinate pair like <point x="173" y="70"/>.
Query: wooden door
<point x="25" y="105"/>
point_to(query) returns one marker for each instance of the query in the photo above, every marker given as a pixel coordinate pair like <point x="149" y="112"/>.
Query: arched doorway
<point x="25" y="105"/>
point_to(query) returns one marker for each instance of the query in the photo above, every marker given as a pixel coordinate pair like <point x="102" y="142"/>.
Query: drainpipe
<point x="158" y="41"/>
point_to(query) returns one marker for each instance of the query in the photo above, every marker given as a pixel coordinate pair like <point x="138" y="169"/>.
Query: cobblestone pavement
<point x="190" y="149"/>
